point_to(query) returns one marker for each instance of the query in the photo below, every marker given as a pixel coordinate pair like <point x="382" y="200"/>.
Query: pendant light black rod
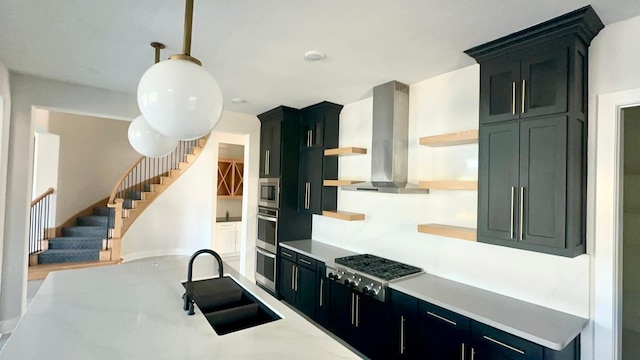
<point x="188" y="21"/>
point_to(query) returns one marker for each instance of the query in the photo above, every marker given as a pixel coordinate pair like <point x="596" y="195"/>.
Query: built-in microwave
<point x="269" y="192"/>
<point x="267" y="229"/>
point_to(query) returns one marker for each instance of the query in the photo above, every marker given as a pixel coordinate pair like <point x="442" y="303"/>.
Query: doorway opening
<point x="227" y="239"/>
<point x="630" y="233"/>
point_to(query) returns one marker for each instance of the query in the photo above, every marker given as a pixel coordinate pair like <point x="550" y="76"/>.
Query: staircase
<point x="86" y="241"/>
<point x="94" y="238"/>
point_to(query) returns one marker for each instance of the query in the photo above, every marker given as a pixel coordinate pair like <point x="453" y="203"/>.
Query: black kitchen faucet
<point x="188" y="295"/>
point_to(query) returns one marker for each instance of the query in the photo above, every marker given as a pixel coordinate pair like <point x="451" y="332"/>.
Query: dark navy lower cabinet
<point x="324" y="297"/>
<point x="405" y="341"/>
<point x="420" y="330"/>
<point x="443" y="334"/>
<point x="361" y="321"/>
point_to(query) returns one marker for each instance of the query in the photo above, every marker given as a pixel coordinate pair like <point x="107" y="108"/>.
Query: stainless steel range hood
<point x="389" y="145"/>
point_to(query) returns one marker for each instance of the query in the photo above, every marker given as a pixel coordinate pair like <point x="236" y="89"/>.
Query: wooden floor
<point x="39" y="272"/>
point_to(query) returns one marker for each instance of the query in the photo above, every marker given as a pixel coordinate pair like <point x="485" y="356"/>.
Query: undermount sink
<point x="227" y="306"/>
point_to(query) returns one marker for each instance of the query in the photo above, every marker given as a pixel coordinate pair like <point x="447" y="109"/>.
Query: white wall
<point x="614" y="82"/>
<point x="94" y="153"/>
<point x="45" y="170"/>
<point x="158" y="231"/>
<point x="444" y="104"/>
<point x="28" y="92"/>
<point x="5" y="114"/>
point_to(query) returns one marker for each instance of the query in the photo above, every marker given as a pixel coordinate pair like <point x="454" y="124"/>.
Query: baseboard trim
<point x="7" y="326"/>
<point x="153" y="253"/>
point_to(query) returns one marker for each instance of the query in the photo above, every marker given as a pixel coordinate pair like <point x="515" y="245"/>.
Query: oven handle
<point x="267" y="218"/>
<point x="267" y="254"/>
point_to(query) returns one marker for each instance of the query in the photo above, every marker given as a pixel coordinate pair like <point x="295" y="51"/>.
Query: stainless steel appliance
<point x="267" y="229"/>
<point x="267" y="247"/>
<point x="266" y="268"/>
<point x="269" y="192"/>
<point x="370" y="274"/>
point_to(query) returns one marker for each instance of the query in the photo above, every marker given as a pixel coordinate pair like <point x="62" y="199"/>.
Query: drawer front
<point x="489" y="340"/>
<point x="289" y="255"/>
<point x="444" y="316"/>
<point x="307" y="262"/>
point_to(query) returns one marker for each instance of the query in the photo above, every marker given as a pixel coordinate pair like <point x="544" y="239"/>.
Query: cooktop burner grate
<point x="382" y="268"/>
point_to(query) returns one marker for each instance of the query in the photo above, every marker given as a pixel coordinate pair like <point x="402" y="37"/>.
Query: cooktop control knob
<point x="330" y="276"/>
<point x="365" y="290"/>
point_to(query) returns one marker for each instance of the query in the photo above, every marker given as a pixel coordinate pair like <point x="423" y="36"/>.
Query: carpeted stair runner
<point x="82" y="242"/>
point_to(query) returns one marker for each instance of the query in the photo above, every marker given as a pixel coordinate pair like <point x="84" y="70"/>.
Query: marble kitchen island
<point x="134" y="311"/>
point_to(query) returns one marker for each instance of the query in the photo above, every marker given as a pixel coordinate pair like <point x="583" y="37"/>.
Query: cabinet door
<point x="310" y="184"/>
<point x="492" y="344"/>
<point x="341" y="321"/>
<point x="543" y="176"/>
<point x="311" y="130"/>
<point x="444" y="335"/>
<point x="499" y="90"/>
<point x="306" y="291"/>
<point x="270" y="149"/>
<point x="287" y="281"/>
<point x="405" y="342"/>
<point x="372" y="327"/>
<point x="498" y="181"/>
<point x="544" y="80"/>
<point x="226" y="237"/>
<point x="324" y="296"/>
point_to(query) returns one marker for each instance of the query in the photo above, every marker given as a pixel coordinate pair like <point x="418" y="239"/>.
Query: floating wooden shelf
<point x="448" y="231"/>
<point x="449" y="185"/>
<point x="459" y="138"/>
<point x="343" y="215"/>
<point x="341" y="182"/>
<point x="345" y="151"/>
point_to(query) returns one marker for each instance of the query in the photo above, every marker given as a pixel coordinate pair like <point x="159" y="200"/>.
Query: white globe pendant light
<point x="178" y="98"/>
<point x="148" y="142"/>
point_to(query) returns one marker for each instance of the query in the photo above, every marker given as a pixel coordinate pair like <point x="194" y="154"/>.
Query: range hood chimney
<point x="390" y="142"/>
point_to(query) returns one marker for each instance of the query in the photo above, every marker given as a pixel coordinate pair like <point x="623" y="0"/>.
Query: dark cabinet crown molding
<point x="583" y="23"/>
<point x="278" y="113"/>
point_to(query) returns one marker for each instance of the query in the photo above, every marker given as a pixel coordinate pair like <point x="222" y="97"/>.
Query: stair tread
<point x="75" y="238"/>
<point x="66" y="251"/>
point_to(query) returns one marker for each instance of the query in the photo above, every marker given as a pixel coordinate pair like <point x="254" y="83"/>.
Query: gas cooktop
<point x="369" y="274"/>
<point x="381" y="268"/>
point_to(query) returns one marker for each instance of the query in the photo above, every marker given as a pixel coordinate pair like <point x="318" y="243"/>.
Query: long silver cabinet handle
<point x="521" y="211"/>
<point x="462" y="352"/>
<point x="513" y="98"/>
<point x="286" y="254"/>
<point x="293" y="276"/>
<point x="321" y="286"/>
<point x="511" y="234"/>
<point x="442" y="318"/>
<point x="266" y="162"/>
<point x="305" y="261"/>
<point x="473" y="353"/>
<point x="357" y="310"/>
<point x="503" y="344"/>
<point x="524" y="82"/>
<point x="402" y="335"/>
<point x="297" y="271"/>
<point x="352" y="307"/>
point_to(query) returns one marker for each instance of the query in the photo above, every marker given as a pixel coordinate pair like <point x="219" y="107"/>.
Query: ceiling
<point x="255" y="48"/>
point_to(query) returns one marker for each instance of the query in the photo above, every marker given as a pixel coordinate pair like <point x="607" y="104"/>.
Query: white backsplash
<point x="444" y="104"/>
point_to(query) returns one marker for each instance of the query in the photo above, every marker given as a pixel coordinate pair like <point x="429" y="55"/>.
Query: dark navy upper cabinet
<point x="319" y="130"/>
<point x="532" y="141"/>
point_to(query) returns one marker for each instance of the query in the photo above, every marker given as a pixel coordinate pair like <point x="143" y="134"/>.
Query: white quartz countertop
<point x="544" y="326"/>
<point x="134" y="311"/>
<point x="317" y="250"/>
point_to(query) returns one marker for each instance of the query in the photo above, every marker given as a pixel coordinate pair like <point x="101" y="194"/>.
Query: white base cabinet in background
<point x="228" y="237"/>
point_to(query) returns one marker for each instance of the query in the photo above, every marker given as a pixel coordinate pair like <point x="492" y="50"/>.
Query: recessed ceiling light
<point x="313" y="55"/>
<point x="238" y="101"/>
